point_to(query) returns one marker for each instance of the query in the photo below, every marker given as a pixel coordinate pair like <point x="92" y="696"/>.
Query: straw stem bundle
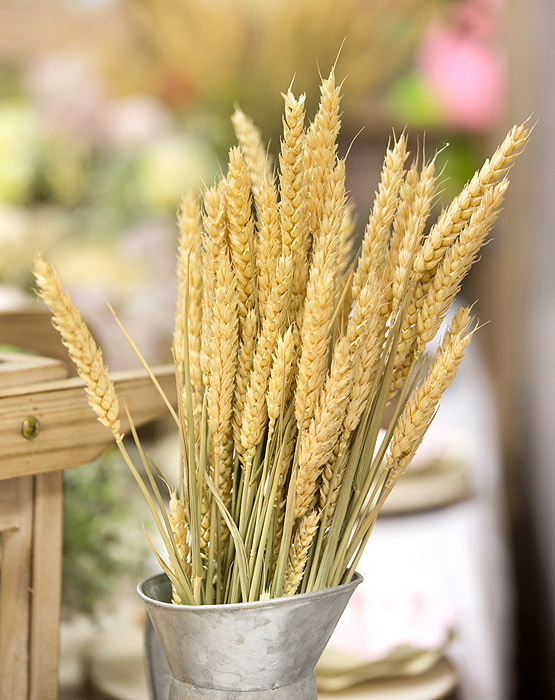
<point x="288" y="354"/>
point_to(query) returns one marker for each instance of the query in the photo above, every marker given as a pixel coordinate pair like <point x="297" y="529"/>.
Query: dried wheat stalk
<point x="81" y="346"/>
<point x="294" y="352"/>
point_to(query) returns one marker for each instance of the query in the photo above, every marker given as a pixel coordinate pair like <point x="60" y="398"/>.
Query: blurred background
<point x="111" y="109"/>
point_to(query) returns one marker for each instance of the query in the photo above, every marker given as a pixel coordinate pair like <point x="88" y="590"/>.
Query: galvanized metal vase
<point x="262" y="650"/>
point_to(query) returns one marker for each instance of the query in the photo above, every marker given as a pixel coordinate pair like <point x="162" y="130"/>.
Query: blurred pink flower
<point x="68" y="95"/>
<point x="478" y="17"/>
<point x="466" y="75"/>
<point x="135" y="120"/>
<point x="70" y="98"/>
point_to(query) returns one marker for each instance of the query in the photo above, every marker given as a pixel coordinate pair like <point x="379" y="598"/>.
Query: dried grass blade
<point x="145" y="365"/>
<point x="193" y="490"/>
<point x="176" y="583"/>
<point x="242" y="561"/>
<point x="279" y="576"/>
<point x="263" y="535"/>
<point x="171" y="549"/>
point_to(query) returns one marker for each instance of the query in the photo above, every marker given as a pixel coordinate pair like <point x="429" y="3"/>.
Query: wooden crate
<point x="46" y="426"/>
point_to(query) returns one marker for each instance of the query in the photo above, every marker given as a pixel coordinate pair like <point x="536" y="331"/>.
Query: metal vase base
<point x="266" y="649"/>
<point x="303" y="690"/>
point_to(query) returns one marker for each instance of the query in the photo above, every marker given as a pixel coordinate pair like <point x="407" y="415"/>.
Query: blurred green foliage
<point x="100" y="542"/>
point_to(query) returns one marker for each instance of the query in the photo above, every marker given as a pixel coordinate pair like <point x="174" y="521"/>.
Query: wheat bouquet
<point x="287" y="355"/>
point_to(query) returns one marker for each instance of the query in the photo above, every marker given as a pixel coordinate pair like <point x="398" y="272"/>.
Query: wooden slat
<point x="15" y="600"/>
<point x="10" y="516"/>
<point x="18" y="370"/>
<point x="31" y="329"/>
<point x="46" y="586"/>
<point x="69" y="434"/>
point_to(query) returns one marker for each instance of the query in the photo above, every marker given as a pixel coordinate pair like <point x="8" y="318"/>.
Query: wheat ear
<point x="428" y="260"/>
<point x="299" y="553"/>
<point x="255" y="409"/>
<point x="315" y="336"/>
<point x="268" y="240"/>
<point x="376" y="234"/>
<point x="366" y="333"/>
<point x="253" y="149"/>
<point x="420" y="410"/>
<point x="292" y="195"/>
<point x="247" y="348"/>
<point x="281" y="375"/>
<point x="320" y="150"/>
<point x="407" y="193"/>
<point x="180" y="531"/>
<point x="320" y="301"/>
<point x="81" y="346"/>
<point x="241" y="231"/>
<point x="412" y="226"/>
<point x="334" y="207"/>
<point x="456" y="264"/>
<point x="410" y="220"/>
<point x="347" y="232"/>
<point x="214" y="244"/>
<point x="291" y="177"/>
<point x="453" y="219"/>
<point x="189" y="272"/>
<point x="321" y="437"/>
<point x="223" y="355"/>
<point x="221" y="391"/>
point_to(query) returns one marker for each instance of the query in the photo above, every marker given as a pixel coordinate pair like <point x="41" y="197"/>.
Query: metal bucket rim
<point x="315" y="595"/>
